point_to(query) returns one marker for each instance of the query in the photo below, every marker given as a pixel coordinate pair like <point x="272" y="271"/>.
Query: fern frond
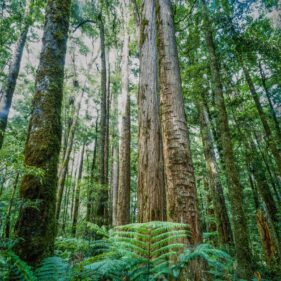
<point x="18" y="269"/>
<point x="53" y="268"/>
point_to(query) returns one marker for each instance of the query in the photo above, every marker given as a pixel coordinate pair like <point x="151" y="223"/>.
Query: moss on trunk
<point x="36" y="225"/>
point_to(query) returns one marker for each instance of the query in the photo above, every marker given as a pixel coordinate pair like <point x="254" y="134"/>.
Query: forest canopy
<point x="140" y="140"/>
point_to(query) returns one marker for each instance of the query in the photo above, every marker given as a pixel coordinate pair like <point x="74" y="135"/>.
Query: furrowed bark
<point x="181" y="189"/>
<point x="151" y="188"/>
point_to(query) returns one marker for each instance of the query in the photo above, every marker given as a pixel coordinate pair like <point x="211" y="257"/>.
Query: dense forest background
<point x="140" y="140"/>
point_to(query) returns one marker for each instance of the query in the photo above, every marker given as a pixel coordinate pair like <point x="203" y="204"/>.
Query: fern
<point x="11" y="266"/>
<point x="53" y="269"/>
<point x="219" y="262"/>
<point x="151" y="251"/>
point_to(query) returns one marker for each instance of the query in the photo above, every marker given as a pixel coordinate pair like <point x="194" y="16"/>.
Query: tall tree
<point x="151" y="190"/>
<point x="123" y="197"/>
<point x="102" y="208"/>
<point x="11" y="80"/>
<point x="220" y="210"/>
<point x="66" y="158"/>
<point x="240" y="230"/>
<point x="272" y="142"/>
<point x="37" y="226"/>
<point x="90" y="195"/>
<point x="114" y="184"/>
<point x="181" y="189"/>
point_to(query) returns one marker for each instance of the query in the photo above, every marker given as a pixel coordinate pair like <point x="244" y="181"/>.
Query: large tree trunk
<point x="181" y="189"/>
<point x="10" y="83"/>
<point x="240" y="230"/>
<point x="151" y="188"/>
<point x="77" y="192"/>
<point x="220" y="210"/>
<point x="123" y="197"/>
<point x="37" y="226"/>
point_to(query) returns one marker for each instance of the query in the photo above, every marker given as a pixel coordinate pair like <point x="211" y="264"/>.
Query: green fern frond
<point x="53" y="268"/>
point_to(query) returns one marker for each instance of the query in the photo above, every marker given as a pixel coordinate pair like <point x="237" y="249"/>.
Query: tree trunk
<point x="123" y="197"/>
<point x="103" y="105"/>
<point x="102" y="208"/>
<point x="272" y="144"/>
<point x="151" y="188"/>
<point x="220" y="210"/>
<point x="240" y="230"/>
<point x="64" y="165"/>
<point x="37" y="226"/>
<point x="67" y="197"/>
<point x="90" y="199"/>
<point x="10" y="83"/>
<point x="107" y="118"/>
<point x="8" y="216"/>
<point x="272" y="111"/>
<point x="77" y="192"/>
<point x="73" y="185"/>
<point x="181" y="189"/>
<point x="114" y="184"/>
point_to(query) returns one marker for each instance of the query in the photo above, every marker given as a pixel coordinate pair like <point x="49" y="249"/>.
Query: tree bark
<point x="181" y="189"/>
<point x="151" y="188"/>
<point x="77" y="192"/>
<point x="37" y="226"/>
<point x="10" y="84"/>
<point x="123" y="197"/>
<point x="240" y="230"/>
<point x="102" y="208"/>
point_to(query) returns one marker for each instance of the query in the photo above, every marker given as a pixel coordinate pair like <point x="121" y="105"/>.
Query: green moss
<point x="144" y="23"/>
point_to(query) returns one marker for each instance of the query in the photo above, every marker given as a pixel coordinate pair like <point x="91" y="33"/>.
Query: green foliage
<point x="11" y="266"/>
<point x="150" y="251"/>
<point x="53" y="269"/>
